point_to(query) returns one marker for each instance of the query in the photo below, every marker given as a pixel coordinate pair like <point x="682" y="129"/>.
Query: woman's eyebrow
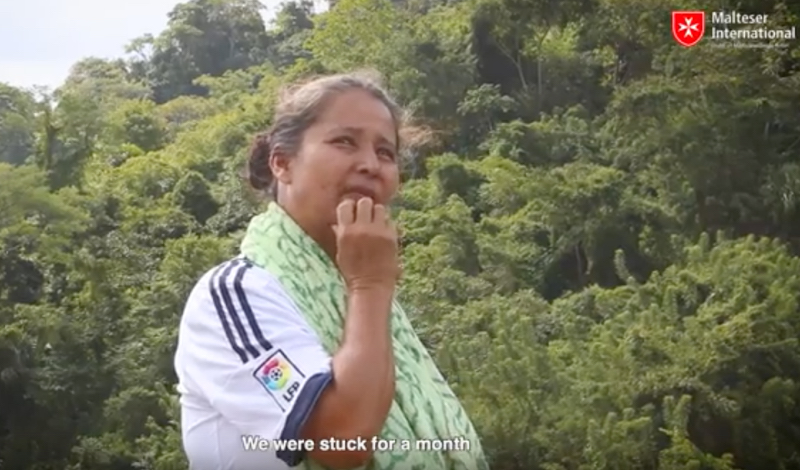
<point x="360" y="131"/>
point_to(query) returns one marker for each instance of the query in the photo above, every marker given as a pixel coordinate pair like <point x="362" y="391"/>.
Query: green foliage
<point x="600" y="246"/>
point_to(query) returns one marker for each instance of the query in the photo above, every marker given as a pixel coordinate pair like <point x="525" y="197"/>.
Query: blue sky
<point x="41" y="39"/>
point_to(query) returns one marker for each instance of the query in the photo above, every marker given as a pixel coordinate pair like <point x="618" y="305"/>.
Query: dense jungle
<point x="600" y="240"/>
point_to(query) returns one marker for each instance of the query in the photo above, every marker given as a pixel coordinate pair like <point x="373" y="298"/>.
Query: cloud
<point x="41" y="39"/>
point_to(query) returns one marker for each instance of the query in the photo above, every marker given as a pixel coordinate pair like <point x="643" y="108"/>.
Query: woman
<point x="299" y="337"/>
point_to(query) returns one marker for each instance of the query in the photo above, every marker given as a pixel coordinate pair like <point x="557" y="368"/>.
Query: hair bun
<point x="259" y="173"/>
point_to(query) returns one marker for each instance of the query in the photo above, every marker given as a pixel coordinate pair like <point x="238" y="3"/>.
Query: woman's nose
<point x="368" y="161"/>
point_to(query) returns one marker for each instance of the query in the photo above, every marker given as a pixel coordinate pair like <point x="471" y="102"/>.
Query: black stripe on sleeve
<point x="221" y="311"/>
<point x="235" y="316"/>
<point x="248" y="310"/>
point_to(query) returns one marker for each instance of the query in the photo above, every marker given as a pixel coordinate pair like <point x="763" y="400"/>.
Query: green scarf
<point x="424" y="407"/>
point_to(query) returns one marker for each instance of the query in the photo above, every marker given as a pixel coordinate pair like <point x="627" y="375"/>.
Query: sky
<point x="41" y="39"/>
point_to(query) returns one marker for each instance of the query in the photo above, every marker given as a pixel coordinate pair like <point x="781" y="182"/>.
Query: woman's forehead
<point x="357" y="113"/>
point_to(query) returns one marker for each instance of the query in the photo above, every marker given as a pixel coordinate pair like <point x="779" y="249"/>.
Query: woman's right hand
<point x="367" y="245"/>
<point x="357" y="401"/>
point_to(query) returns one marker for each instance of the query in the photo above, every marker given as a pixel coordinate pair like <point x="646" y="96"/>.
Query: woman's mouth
<point x="358" y="192"/>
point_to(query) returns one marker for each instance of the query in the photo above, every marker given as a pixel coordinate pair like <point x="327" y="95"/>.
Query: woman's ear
<point x="280" y="165"/>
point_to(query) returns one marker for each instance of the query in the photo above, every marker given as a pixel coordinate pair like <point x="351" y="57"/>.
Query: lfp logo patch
<point x="275" y="374"/>
<point x="280" y="378"/>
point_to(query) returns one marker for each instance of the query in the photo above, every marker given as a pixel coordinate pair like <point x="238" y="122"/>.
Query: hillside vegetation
<point x="600" y="244"/>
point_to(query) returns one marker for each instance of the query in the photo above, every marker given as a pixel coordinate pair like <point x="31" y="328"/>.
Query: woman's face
<point x="349" y="152"/>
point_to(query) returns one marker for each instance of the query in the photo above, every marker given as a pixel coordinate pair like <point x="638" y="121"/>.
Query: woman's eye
<point x="386" y="153"/>
<point x="345" y="140"/>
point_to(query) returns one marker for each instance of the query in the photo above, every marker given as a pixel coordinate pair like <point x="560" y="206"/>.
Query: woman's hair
<point x="299" y="106"/>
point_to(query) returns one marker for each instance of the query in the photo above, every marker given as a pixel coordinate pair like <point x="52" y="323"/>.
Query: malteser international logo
<point x="731" y="29"/>
<point x="688" y="27"/>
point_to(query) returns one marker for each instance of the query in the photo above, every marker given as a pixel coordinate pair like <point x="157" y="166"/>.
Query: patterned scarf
<point x="428" y="425"/>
